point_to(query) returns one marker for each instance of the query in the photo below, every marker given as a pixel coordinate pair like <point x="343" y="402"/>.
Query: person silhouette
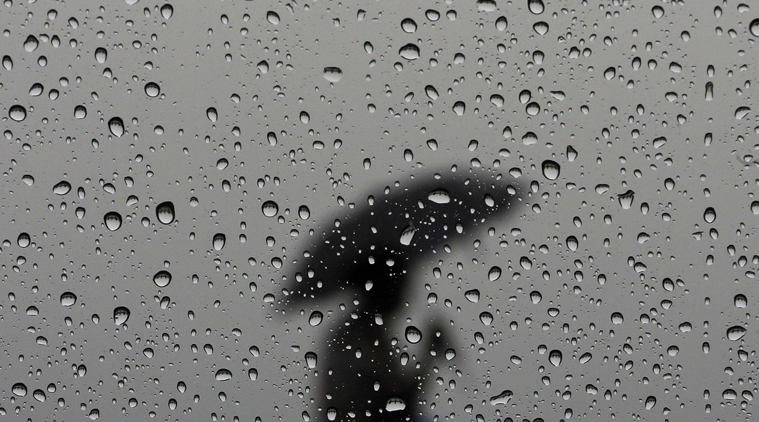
<point x="369" y="251"/>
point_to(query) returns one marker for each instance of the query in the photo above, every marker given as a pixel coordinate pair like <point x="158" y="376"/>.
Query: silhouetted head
<point x="369" y="249"/>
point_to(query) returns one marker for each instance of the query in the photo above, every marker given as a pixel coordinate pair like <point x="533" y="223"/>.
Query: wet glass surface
<point x="479" y="210"/>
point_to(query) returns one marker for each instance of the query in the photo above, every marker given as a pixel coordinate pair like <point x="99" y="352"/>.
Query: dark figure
<point x="369" y="252"/>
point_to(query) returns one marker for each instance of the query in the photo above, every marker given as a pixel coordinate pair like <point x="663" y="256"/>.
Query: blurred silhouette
<point x="369" y="251"/>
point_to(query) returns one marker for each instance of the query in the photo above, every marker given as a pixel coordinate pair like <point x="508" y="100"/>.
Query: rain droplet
<point x="741" y="112"/>
<point x="650" y="402"/>
<point x="333" y="74"/>
<point x="304" y="213"/>
<point x="394" y="404"/>
<point x="311" y="359"/>
<point x="272" y="17"/>
<point x="551" y="169"/>
<point x="31" y="43"/>
<point x="459" y="108"/>
<point x="167" y="11"/>
<point x="219" y="239"/>
<point x="112" y="221"/>
<point x="315" y="318"/>
<point x="617" y="318"/>
<point x="223" y="375"/>
<point x="409" y="52"/>
<point x="165" y="212"/>
<point x="439" y="196"/>
<point x="502" y="398"/>
<point x="486" y="318"/>
<point x="494" y="273"/>
<point x="17" y="113"/>
<point x="554" y="357"/>
<point x="19" y="389"/>
<point x="501" y="23"/>
<point x="735" y="333"/>
<point x="222" y="164"/>
<point x="536" y="6"/>
<point x="740" y="301"/>
<point x="116" y="126"/>
<point x="270" y="208"/>
<point x="23" y="240"/>
<point x="7" y="62"/>
<point x="152" y="89"/>
<point x="540" y="27"/>
<point x="212" y="114"/>
<point x="62" y="188"/>
<point x="162" y="278"/>
<point x="408" y="25"/>
<point x="754" y="27"/>
<point x="431" y="92"/>
<point x="585" y="358"/>
<point x="101" y="55"/>
<point x="407" y="235"/>
<point x="121" y="315"/>
<point x="472" y="295"/>
<point x="68" y="299"/>
<point x="626" y="199"/>
<point x="535" y="297"/>
<point x="710" y="215"/>
<point x="413" y="335"/>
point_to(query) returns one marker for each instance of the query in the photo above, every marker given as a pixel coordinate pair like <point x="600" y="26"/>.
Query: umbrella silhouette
<point x="369" y="251"/>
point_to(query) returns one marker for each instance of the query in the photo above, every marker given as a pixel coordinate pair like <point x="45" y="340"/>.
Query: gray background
<point x="209" y="53"/>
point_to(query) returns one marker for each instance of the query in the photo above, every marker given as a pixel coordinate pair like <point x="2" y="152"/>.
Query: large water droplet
<point x="555" y="357"/>
<point x="219" y="239"/>
<point x="121" y="315"/>
<point x="311" y="359"/>
<point x="333" y="74"/>
<point x="7" y="62"/>
<point x="270" y="208"/>
<point x="112" y="221"/>
<point x="409" y="52"/>
<point x="17" y="113"/>
<point x="31" y="43"/>
<point x="101" y="55"/>
<point x="165" y="212"/>
<point x="536" y="6"/>
<point x="116" y="126"/>
<point x="62" y="188"/>
<point x="439" y="196"/>
<point x="408" y="25"/>
<point x="68" y="299"/>
<point x="754" y="27"/>
<point x="152" y="89"/>
<point x="23" y="240"/>
<point x="162" y="278"/>
<point x="167" y="11"/>
<point x="494" y="273"/>
<point x="212" y="114"/>
<point x="19" y="389"/>
<point x="413" y="335"/>
<point x="551" y="169"/>
<point x="272" y="17"/>
<point x="223" y="375"/>
<point x="735" y="333"/>
<point x="315" y="318"/>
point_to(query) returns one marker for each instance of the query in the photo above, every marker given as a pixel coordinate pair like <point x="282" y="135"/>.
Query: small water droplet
<point x="212" y="114"/>
<point x="101" y="55"/>
<point x="31" y="43"/>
